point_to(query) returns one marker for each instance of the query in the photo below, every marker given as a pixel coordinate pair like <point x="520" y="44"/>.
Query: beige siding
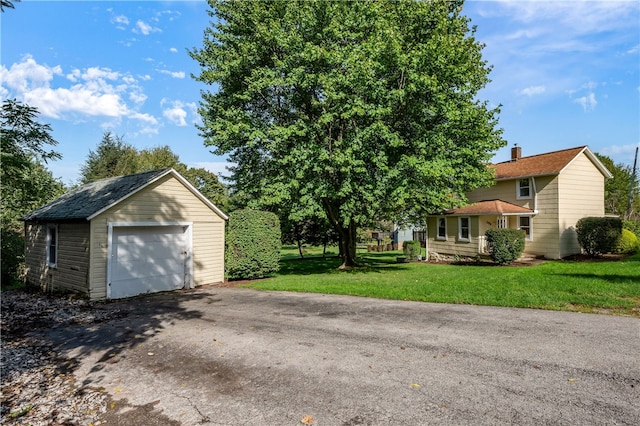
<point x="164" y="201"/>
<point x="71" y="271"/>
<point x="453" y="246"/>
<point x="581" y="194"/>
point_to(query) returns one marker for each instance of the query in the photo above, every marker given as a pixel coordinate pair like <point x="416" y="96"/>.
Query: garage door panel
<point x="136" y="286"/>
<point x="147" y="260"/>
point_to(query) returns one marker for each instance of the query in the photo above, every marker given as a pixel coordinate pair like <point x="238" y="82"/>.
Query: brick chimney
<point x="516" y="153"/>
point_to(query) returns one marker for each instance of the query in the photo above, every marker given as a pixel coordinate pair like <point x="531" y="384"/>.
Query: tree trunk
<point x="300" y="248"/>
<point x="347" y="237"/>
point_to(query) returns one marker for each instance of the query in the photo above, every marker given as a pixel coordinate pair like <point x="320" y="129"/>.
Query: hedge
<point x="252" y="244"/>
<point x="598" y="235"/>
<point x="505" y="245"/>
<point x="411" y="249"/>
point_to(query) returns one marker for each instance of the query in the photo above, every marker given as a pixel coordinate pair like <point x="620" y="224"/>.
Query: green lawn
<point x="585" y="286"/>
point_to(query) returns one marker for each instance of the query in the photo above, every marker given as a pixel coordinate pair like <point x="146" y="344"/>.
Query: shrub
<point x="598" y="235"/>
<point x="411" y="249"/>
<point x="632" y="226"/>
<point x="627" y="243"/>
<point x="505" y="245"/>
<point x="253" y="244"/>
<point x="12" y="256"/>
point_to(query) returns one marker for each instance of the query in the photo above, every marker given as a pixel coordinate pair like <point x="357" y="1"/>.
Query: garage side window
<point x="52" y="245"/>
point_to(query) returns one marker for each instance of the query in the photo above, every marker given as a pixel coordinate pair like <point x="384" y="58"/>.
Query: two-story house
<point x="544" y="195"/>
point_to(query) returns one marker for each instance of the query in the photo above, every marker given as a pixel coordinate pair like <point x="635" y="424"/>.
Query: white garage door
<point x="148" y="259"/>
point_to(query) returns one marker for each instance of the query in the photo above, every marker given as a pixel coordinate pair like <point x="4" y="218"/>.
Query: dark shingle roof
<point x="88" y="199"/>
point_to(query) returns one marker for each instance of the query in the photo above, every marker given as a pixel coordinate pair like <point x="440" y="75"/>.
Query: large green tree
<point x="25" y="182"/>
<point x="112" y="157"/>
<point x="364" y="109"/>
<point x="616" y="190"/>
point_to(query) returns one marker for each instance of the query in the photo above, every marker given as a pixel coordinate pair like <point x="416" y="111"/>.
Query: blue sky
<point x="567" y="73"/>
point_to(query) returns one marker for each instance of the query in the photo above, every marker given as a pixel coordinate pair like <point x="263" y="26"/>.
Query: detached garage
<point x="125" y="236"/>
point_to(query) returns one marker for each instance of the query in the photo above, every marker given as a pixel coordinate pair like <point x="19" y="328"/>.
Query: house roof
<point x="490" y="207"/>
<point x="550" y="163"/>
<point x="91" y="199"/>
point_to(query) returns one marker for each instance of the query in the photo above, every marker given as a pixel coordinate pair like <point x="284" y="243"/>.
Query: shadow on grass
<point x="372" y="262"/>
<point x="612" y="264"/>
<point x="608" y="278"/>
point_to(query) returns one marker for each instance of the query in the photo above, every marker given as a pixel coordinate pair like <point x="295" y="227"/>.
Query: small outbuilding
<point x="124" y="236"/>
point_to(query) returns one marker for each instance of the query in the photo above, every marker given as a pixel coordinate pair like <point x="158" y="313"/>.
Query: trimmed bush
<point x="505" y="245"/>
<point x="628" y="243"/>
<point x="598" y="235"/>
<point x="253" y="244"/>
<point x="632" y="226"/>
<point x="411" y="249"/>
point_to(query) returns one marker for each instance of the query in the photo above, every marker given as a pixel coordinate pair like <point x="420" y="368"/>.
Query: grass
<point x="584" y="286"/>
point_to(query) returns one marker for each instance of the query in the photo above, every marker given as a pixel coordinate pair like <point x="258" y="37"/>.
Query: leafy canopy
<point x="361" y="110"/>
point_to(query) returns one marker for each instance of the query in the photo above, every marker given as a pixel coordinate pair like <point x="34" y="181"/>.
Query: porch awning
<point x="491" y="208"/>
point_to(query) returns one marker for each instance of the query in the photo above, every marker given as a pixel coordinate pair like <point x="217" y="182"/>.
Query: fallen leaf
<point x="112" y="405"/>
<point x="117" y="390"/>
<point x="415" y="385"/>
<point x="307" y="420"/>
<point x="571" y="379"/>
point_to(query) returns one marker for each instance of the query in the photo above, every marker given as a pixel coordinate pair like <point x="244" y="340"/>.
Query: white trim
<point x="460" y="237"/>
<point x="188" y="258"/>
<point x="53" y="264"/>
<point x="181" y="180"/>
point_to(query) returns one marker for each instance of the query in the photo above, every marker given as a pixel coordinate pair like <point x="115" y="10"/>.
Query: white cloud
<point x="176" y="115"/>
<point x="533" y="90"/>
<point x="94" y="92"/>
<point x="173" y="50"/>
<point x="174" y="74"/>
<point x="178" y="111"/>
<point x="588" y="102"/>
<point x="27" y="75"/>
<point x="121" y="20"/>
<point x="145" y="29"/>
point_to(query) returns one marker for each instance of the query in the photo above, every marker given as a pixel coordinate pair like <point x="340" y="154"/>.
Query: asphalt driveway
<point x="228" y="356"/>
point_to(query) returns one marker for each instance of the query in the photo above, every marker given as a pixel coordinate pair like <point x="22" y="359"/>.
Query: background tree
<point x="361" y="109"/>
<point x="25" y="183"/>
<point x="7" y="4"/>
<point x="616" y="190"/>
<point x="115" y="157"/>
<point x="112" y="157"/>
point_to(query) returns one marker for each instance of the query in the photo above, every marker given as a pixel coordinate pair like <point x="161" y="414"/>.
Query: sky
<point x="565" y="73"/>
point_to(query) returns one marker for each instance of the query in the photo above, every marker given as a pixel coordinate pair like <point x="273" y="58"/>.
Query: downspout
<point x="535" y="194"/>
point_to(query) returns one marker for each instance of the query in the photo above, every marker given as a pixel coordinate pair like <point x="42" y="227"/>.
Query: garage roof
<point x="91" y="199"/>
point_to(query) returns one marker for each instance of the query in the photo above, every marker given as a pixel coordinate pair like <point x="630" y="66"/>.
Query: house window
<point x="442" y="228"/>
<point x="503" y="222"/>
<point x="463" y="229"/>
<point x="52" y="245"/>
<point x="524" y="188"/>
<point x="524" y="224"/>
